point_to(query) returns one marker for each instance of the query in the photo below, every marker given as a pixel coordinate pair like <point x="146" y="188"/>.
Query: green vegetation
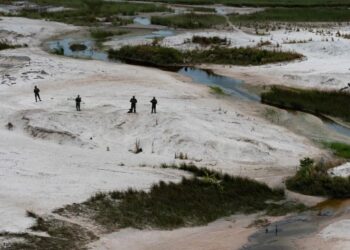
<point x="313" y="179"/>
<point x="63" y="235"/>
<point x="77" y="47"/>
<point x="296" y="15"/>
<point x="163" y="57"/>
<point x="265" y="3"/>
<point x="217" y="90"/>
<point x="340" y="149"/>
<point x="205" y="197"/>
<point x="58" y="51"/>
<point x="203" y="9"/>
<point x="92" y="12"/>
<point x="207" y="41"/>
<point x="190" y="21"/>
<point x="4" y="44"/>
<point x="150" y="55"/>
<point x="100" y="34"/>
<point x="331" y="103"/>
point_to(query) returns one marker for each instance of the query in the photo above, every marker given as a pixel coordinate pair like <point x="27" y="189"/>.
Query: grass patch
<point x="163" y="56"/>
<point x="340" y="149"/>
<point x="4" y="44"/>
<point x="203" y="9"/>
<point x="92" y="12"/>
<point x="198" y="200"/>
<point x="152" y="55"/>
<point x="100" y="34"/>
<point x="207" y="41"/>
<point x="265" y="3"/>
<point x="331" y="103"/>
<point x="296" y="15"/>
<point x="62" y="235"/>
<point x="313" y="179"/>
<point x="190" y="21"/>
<point x="217" y="90"/>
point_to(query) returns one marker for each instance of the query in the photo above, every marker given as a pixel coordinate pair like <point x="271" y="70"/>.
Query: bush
<point x="189" y="21"/>
<point x="4" y="44"/>
<point x="313" y="179"/>
<point x="88" y="13"/>
<point x="332" y="103"/>
<point x="296" y="15"/>
<point x="162" y="56"/>
<point x="205" y="197"/>
<point x="151" y="55"/>
<point x="206" y="41"/>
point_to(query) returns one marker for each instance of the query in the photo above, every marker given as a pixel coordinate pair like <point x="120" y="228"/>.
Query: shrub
<point x="313" y="179"/>
<point x="332" y="103"/>
<point x="198" y="200"/>
<point x="206" y="41"/>
<point x="189" y="21"/>
<point x="162" y="56"/>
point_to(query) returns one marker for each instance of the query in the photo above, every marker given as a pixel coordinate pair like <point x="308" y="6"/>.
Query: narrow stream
<point x="287" y="229"/>
<point x="229" y="85"/>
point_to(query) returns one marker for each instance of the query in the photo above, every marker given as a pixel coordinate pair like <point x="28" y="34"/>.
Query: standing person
<point x="154" y="105"/>
<point x="77" y="102"/>
<point x="36" y="94"/>
<point x="133" y="105"/>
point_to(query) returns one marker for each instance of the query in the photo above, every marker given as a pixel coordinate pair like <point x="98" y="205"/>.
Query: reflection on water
<point x="229" y="85"/>
<point x="89" y="53"/>
<point x="142" y="20"/>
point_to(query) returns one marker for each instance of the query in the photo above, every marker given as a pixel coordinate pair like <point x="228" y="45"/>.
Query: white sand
<point x="49" y="160"/>
<point x="326" y="63"/>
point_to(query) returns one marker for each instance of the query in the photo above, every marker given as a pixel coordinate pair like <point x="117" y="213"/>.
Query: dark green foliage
<point x="296" y="15"/>
<point x="88" y="13"/>
<point x="332" y="103"/>
<point x="152" y="55"/>
<point x="7" y="45"/>
<point x="239" y="56"/>
<point x="161" y="56"/>
<point x="203" y="9"/>
<point x="62" y="235"/>
<point x="205" y="197"/>
<point x="265" y="3"/>
<point x="189" y="21"/>
<point x="58" y="51"/>
<point x="77" y="47"/>
<point x="340" y="149"/>
<point x="313" y="179"/>
<point x="206" y="41"/>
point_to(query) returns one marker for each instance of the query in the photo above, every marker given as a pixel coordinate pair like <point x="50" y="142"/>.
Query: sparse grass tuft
<point x="217" y="90"/>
